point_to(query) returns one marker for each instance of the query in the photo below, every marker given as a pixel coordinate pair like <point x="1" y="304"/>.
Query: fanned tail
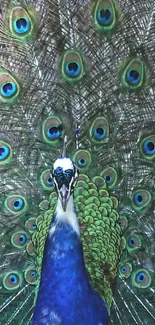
<point x="84" y="69"/>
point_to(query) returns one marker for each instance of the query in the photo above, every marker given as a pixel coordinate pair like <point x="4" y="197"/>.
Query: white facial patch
<point x="64" y="163"/>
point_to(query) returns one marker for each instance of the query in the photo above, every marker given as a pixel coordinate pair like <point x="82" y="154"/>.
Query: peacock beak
<point x="64" y="196"/>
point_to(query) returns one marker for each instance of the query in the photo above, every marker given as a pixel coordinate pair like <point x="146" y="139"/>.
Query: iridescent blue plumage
<point x="65" y="290"/>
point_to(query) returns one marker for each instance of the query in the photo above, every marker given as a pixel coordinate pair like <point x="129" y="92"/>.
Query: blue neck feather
<point x="65" y="294"/>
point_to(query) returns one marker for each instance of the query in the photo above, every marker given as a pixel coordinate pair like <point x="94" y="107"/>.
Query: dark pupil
<point x="99" y="131"/>
<point x="140" y="198"/>
<point x="53" y="130"/>
<point x="21" y="23"/>
<point x="49" y="180"/>
<point x="82" y="161"/>
<point x="108" y="178"/>
<point x="1" y="151"/>
<point x="134" y="74"/>
<point x="12" y="279"/>
<point x="16" y="204"/>
<point x="150" y="146"/>
<point x="132" y="242"/>
<point x="73" y="66"/>
<point x="7" y="87"/>
<point x="21" y="239"/>
<point x="105" y="13"/>
<point x="142" y="277"/>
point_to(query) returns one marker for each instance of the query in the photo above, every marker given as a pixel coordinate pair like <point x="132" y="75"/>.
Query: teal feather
<point x="84" y="69"/>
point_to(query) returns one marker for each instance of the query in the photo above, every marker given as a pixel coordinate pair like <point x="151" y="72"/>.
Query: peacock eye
<point x="133" y="74"/>
<point x="141" y="278"/>
<point x="82" y="159"/>
<point x="49" y="181"/>
<point x="141" y="199"/>
<point x="18" y="204"/>
<point x="82" y="162"/>
<point x="46" y="180"/>
<point x="30" y="276"/>
<point x="73" y="69"/>
<point x="15" y="203"/>
<point x="133" y="77"/>
<point x="9" y="87"/>
<point x="22" y="239"/>
<point x="31" y="225"/>
<point x="134" y="244"/>
<point x="131" y="241"/>
<point x="52" y="130"/>
<point x="22" y="23"/>
<point x="110" y="176"/>
<point x="100" y="133"/>
<point x="138" y="199"/>
<point x="5" y="153"/>
<point x="12" y="280"/>
<point x="108" y="179"/>
<point x="147" y="147"/>
<point x="72" y="66"/>
<point x="19" y="239"/>
<point x="125" y="270"/>
<point x="99" y="130"/>
<point x="105" y="15"/>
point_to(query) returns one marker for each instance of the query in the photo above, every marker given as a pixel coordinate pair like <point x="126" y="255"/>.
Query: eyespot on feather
<point x="9" y="87"/>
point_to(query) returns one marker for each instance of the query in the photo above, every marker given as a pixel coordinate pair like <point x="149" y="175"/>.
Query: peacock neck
<point x="64" y="285"/>
<point x="69" y="216"/>
<point x="63" y="265"/>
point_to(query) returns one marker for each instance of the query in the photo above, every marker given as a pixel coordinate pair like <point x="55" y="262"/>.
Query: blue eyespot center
<point x="149" y="147"/>
<point x="18" y="204"/>
<point x="105" y="16"/>
<point x="99" y="133"/>
<point x="34" y="226"/>
<point x="123" y="269"/>
<point x="73" y="69"/>
<point x="131" y="241"/>
<point x="53" y="132"/>
<point x="49" y="181"/>
<point x="4" y="152"/>
<point x="8" y="89"/>
<point x="33" y="273"/>
<point x="22" y="239"/>
<point x="140" y="277"/>
<point x="138" y="199"/>
<point x="108" y="179"/>
<point x="133" y="76"/>
<point x="22" y="25"/>
<point x="13" y="278"/>
<point x="82" y="162"/>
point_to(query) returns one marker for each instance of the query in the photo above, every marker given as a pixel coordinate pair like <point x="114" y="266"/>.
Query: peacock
<point x="77" y="153"/>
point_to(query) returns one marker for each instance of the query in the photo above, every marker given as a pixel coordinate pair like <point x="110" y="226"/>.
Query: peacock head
<point x="64" y="175"/>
